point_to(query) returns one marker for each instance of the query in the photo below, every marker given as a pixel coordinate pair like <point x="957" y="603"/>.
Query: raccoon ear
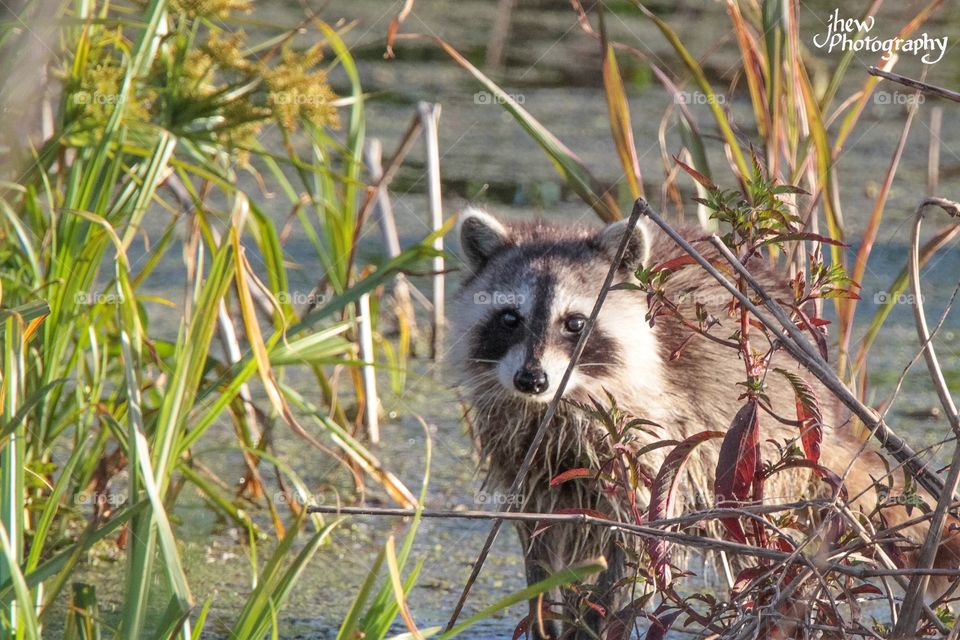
<point x="481" y="236"/>
<point x="638" y="247"/>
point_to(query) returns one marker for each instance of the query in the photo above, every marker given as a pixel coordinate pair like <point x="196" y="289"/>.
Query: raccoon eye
<point x="509" y="318"/>
<point x="575" y="323"/>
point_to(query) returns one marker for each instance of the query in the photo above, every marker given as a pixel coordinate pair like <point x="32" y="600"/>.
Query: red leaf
<point x="896" y="553"/>
<point x="811" y="431"/>
<point x="804" y="235"/>
<point x="662" y="494"/>
<point x="593" y="605"/>
<point x="521" y="628"/>
<point x="784" y="545"/>
<point x="815" y="332"/>
<point x="759" y="531"/>
<point x="866" y="588"/>
<point x="570" y="474"/>
<point x="673" y="263"/>
<point x="621" y="625"/>
<point x="739" y="456"/>
<point x="737" y="464"/>
<point x="829" y="613"/>
<point x="735" y="529"/>
<point x="659" y="626"/>
<point x="808" y="415"/>
<point x="696" y="175"/>
<point x="531" y="623"/>
<point x="745" y="577"/>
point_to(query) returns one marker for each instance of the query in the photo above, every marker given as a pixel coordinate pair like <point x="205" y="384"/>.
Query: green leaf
<point x="574" y="573"/>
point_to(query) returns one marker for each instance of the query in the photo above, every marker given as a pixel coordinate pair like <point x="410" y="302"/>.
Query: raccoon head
<point x="524" y="301"/>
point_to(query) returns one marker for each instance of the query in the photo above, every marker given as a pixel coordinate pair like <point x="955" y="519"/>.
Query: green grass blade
<point x="618" y="112"/>
<point x="565" y="161"/>
<point x="274" y="583"/>
<point x="565" y="576"/>
<point x="701" y="79"/>
<point x="57" y="563"/>
<point x="12" y="457"/>
<point x="349" y="628"/>
<point x="22" y="608"/>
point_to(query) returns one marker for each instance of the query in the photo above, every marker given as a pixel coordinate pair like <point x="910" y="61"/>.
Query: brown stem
<point x="916" y="84"/>
<point x="913" y="599"/>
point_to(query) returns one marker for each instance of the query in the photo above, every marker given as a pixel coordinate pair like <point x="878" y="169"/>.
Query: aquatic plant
<point x="779" y="201"/>
<point x="110" y="386"/>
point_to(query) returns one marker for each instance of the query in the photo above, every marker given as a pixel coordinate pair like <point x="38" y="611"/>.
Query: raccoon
<point x="524" y="300"/>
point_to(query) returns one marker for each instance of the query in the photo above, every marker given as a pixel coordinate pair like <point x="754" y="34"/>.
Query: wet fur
<point x="686" y="395"/>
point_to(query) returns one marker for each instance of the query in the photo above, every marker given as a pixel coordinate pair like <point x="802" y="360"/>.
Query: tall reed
<point x="161" y="116"/>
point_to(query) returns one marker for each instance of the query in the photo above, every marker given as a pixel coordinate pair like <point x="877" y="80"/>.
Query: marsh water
<point x="553" y="68"/>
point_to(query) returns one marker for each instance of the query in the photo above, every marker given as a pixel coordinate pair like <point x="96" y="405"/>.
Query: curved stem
<point x="797" y="346"/>
<point x="913" y="599"/>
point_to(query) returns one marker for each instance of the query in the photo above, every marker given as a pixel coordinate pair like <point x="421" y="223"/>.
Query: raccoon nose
<point x="531" y="381"/>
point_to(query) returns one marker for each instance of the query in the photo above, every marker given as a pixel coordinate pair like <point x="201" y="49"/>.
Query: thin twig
<point x="924" y="87"/>
<point x="406" y="144"/>
<point x="526" y="516"/>
<point x="386" y="177"/>
<point x="891" y="565"/>
<point x="538" y="437"/>
<point x="650" y="530"/>
<point x="933" y="153"/>
<point x="383" y="210"/>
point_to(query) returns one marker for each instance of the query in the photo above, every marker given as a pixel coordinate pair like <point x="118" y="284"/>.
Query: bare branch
<point x="923" y="87"/>
<point x="796" y="344"/>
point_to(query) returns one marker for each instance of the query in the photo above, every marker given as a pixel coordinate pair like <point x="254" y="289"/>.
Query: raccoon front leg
<point x="536" y="558"/>
<point x="611" y="596"/>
